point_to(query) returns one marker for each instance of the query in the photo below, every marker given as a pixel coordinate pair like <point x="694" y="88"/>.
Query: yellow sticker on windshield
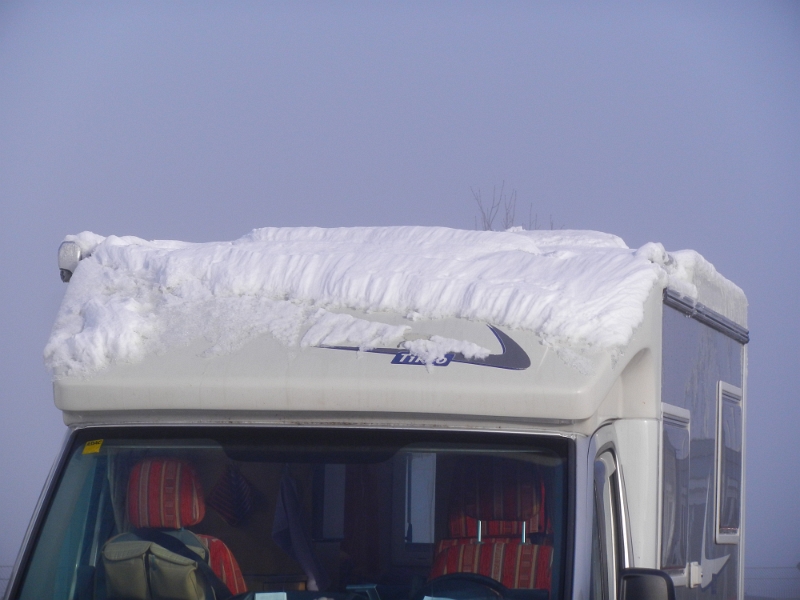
<point x="92" y="447"/>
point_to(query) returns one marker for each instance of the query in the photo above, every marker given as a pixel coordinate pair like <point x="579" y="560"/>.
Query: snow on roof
<point x="131" y="298"/>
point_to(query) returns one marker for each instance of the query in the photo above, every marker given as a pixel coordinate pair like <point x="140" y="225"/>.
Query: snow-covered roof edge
<point x="696" y="278"/>
<point x="579" y="290"/>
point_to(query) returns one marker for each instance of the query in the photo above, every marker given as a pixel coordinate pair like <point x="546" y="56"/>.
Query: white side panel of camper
<point x="639" y="455"/>
<point x="702" y="484"/>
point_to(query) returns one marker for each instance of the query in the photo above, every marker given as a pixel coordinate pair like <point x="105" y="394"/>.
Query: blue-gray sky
<point x="671" y="122"/>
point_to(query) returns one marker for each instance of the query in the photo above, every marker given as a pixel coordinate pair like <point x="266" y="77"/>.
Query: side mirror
<point x="645" y="584"/>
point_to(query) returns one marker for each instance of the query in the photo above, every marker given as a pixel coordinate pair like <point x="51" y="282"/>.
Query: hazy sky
<point x="677" y="123"/>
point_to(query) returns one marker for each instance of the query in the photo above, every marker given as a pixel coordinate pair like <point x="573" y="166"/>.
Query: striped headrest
<point x="500" y="492"/>
<point x="164" y="493"/>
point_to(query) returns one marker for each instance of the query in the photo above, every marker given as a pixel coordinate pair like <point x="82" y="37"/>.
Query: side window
<point x="79" y="521"/>
<point x="675" y="487"/>
<point x="729" y="463"/>
<point x="607" y="529"/>
<point x="599" y="589"/>
<point x="328" y="487"/>
<point x="420" y="505"/>
<point x="414" y="508"/>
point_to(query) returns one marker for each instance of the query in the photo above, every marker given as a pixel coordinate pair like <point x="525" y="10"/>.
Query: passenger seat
<point x="164" y="496"/>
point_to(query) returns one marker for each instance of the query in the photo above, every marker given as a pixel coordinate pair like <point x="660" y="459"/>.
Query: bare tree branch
<point x="510" y="206"/>
<point x="487" y="214"/>
<point x="533" y="219"/>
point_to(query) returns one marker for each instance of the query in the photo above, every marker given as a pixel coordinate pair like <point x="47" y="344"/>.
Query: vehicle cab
<point x="392" y="414"/>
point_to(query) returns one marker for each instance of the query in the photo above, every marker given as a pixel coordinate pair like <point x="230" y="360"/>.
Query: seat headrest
<point x="164" y="493"/>
<point x="500" y="491"/>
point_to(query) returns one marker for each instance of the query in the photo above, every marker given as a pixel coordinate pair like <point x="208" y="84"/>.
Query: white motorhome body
<point x="632" y="441"/>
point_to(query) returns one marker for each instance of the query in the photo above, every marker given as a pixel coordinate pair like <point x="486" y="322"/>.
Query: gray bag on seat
<point x="141" y="569"/>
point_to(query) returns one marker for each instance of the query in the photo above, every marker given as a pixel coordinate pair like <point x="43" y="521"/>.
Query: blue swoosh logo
<point x="513" y="357"/>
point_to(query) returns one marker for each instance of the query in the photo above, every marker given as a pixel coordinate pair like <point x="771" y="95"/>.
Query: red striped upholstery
<point x="500" y="492"/>
<point x="164" y="493"/>
<point x="224" y="564"/>
<point x="512" y="563"/>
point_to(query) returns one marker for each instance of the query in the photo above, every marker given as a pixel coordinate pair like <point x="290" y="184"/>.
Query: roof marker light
<point x="69" y="255"/>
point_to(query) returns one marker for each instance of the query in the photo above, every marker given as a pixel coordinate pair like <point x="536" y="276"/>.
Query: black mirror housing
<point x="645" y="584"/>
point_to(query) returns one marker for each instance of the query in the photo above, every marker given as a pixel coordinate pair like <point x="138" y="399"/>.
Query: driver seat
<point x="497" y="509"/>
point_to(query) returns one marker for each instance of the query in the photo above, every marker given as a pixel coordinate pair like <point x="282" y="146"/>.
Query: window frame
<point x="676" y="416"/>
<point x="563" y="446"/>
<point x="727" y="392"/>
<point x="609" y="517"/>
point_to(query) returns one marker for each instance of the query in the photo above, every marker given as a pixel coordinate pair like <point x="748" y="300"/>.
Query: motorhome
<point x="401" y="413"/>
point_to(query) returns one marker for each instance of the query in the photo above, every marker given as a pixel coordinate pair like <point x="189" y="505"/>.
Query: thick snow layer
<point x="578" y="291"/>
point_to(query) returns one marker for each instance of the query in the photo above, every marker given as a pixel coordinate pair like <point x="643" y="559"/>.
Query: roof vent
<point x="69" y="255"/>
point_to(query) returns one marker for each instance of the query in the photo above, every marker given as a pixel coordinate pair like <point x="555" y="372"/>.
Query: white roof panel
<point x="256" y="323"/>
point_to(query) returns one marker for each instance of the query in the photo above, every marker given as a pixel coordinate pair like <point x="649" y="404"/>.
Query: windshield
<point x="302" y="514"/>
